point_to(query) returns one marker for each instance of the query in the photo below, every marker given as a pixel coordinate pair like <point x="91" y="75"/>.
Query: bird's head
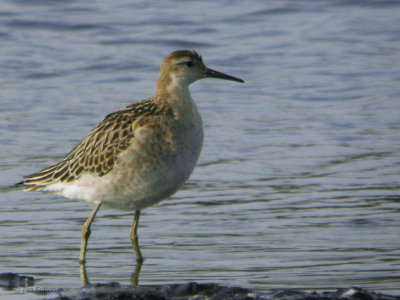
<point x="181" y="68"/>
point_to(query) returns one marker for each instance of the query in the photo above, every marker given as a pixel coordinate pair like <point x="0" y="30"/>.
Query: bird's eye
<point x="189" y="63"/>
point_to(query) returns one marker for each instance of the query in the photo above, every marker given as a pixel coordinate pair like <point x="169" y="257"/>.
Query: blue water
<point x="298" y="182"/>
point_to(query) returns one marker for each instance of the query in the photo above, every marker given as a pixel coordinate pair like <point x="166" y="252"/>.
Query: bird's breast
<point x="160" y="159"/>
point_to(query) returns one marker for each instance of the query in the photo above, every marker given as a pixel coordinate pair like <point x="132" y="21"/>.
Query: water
<point x="298" y="181"/>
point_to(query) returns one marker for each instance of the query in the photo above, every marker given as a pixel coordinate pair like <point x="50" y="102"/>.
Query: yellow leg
<point x="134" y="237"/>
<point x="86" y="233"/>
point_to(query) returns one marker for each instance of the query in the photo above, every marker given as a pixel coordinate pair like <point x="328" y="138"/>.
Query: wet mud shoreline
<point x="190" y="290"/>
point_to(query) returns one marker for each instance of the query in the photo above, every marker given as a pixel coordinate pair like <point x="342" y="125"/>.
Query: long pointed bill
<point x="215" y="74"/>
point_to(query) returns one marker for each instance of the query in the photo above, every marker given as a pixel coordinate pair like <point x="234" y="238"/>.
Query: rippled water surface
<point x="297" y="185"/>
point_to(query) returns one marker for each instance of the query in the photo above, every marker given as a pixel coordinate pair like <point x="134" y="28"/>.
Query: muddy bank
<point x="191" y="290"/>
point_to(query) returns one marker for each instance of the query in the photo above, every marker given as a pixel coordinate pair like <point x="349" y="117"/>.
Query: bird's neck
<point x="177" y="97"/>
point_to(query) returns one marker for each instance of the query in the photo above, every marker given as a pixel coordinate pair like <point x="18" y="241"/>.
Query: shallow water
<point x="298" y="182"/>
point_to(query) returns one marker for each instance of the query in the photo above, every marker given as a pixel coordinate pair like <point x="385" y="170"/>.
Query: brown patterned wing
<point x="98" y="151"/>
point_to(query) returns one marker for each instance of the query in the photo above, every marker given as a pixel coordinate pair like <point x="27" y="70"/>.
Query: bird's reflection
<point x="135" y="275"/>
<point x="134" y="278"/>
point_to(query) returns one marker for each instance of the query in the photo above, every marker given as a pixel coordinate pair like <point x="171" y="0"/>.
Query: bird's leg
<point x="86" y="233"/>
<point x="134" y="237"/>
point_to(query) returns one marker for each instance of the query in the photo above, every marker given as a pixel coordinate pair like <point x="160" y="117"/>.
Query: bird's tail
<point x="38" y="180"/>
